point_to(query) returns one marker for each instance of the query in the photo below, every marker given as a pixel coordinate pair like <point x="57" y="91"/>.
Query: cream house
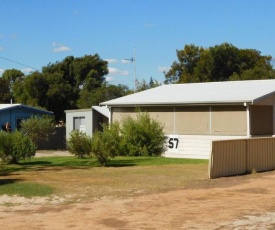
<point x="194" y="114"/>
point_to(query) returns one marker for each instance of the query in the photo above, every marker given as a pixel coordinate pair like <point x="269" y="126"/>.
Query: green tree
<point x="61" y="84"/>
<point x="79" y="144"/>
<point x="6" y="81"/>
<point x="142" y="136"/>
<point x="106" y="144"/>
<point x="5" y="94"/>
<point x="38" y="128"/>
<point x="143" y="85"/>
<point x="183" y="69"/>
<point x="15" y="147"/>
<point x="219" y="63"/>
<point x="104" y="93"/>
<point x="31" y="90"/>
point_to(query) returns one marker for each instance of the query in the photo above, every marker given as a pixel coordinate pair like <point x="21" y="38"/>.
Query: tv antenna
<point x="133" y="61"/>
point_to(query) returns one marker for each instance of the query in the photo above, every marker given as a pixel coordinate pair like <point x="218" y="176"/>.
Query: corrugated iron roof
<point x="199" y="93"/>
<point x="4" y="106"/>
<point x="8" y="106"/>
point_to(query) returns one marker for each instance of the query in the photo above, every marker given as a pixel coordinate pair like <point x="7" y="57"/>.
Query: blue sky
<point x="38" y="32"/>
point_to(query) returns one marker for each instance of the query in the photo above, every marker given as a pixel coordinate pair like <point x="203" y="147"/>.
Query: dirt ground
<point x="243" y="202"/>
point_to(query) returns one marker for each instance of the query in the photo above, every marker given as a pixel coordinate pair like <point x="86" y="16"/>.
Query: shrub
<point x="106" y="144"/>
<point x="79" y="144"/>
<point x="38" y="128"/>
<point x="142" y="136"/>
<point x="15" y="147"/>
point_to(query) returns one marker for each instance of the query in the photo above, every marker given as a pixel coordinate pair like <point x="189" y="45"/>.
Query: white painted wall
<point x="193" y="146"/>
<point x="87" y="113"/>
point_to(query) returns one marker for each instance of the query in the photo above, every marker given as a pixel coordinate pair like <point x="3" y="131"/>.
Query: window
<point x="79" y="123"/>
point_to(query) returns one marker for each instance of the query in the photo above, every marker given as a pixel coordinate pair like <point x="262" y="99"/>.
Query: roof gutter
<point x="179" y="104"/>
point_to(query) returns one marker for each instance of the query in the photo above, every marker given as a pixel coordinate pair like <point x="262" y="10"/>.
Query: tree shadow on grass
<point x="8" y="181"/>
<point x="124" y="163"/>
<point x="57" y="166"/>
<point x="6" y="171"/>
<point x="60" y="163"/>
<point x="35" y="163"/>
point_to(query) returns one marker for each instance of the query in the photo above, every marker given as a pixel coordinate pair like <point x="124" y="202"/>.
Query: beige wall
<point x="261" y="120"/>
<point x="165" y="115"/>
<point x="192" y="120"/>
<point x="269" y="100"/>
<point x="229" y="120"/>
<point x="203" y="120"/>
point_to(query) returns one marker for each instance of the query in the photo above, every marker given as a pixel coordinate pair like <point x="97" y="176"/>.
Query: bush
<point x="142" y="136"/>
<point x="15" y="147"/>
<point x="106" y="144"/>
<point x="38" y="128"/>
<point x="79" y="144"/>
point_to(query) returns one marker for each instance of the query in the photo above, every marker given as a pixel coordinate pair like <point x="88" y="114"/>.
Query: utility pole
<point x="133" y="61"/>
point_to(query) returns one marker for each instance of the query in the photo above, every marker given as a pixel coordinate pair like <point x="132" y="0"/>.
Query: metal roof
<point x="102" y="110"/>
<point x="9" y="106"/>
<point x="229" y="92"/>
<point x="5" y="106"/>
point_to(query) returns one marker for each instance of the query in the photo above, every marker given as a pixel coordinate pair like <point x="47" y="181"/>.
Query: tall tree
<point x="6" y="81"/>
<point x="104" y="93"/>
<point x="219" y="63"/>
<point x="31" y="90"/>
<point x="183" y="69"/>
<point x="143" y="85"/>
<point x="5" y="94"/>
<point x="62" y="84"/>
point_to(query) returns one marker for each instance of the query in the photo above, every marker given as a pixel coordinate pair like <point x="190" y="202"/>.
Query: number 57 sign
<point x="172" y="142"/>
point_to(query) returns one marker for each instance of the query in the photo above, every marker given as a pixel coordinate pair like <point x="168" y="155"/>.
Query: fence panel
<point x="260" y="154"/>
<point x="228" y="158"/>
<point x="234" y="157"/>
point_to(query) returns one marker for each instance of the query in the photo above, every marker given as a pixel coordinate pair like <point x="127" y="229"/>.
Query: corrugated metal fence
<point x="234" y="157"/>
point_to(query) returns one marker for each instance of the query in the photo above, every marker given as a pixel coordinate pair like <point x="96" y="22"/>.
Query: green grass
<point x="25" y="189"/>
<point x="50" y="175"/>
<point x="116" y="162"/>
<point x="74" y="162"/>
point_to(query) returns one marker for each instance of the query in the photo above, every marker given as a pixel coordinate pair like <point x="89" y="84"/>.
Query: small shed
<point x="86" y="120"/>
<point x="15" y="113"/>
<point x="194" y="114"/>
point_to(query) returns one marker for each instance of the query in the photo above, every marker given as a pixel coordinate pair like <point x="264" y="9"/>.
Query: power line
<point x="19" y="63"/>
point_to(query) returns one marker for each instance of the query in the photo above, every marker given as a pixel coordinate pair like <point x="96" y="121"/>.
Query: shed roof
<point x="102" y="110"/>
<point x="229" y="92"/>
<point x="11" y="106"/>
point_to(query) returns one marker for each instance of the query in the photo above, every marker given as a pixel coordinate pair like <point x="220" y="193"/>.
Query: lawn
<point x="84" y="179"/>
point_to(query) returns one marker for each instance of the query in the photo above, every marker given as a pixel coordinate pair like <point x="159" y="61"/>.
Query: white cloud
<point x="163" y="69"/>
<point x="114" y="71"/>
<point x="27" y="70"/>
<point x="124" y="61"/>
<point x="1" y="48"/>
<point x="57" y="47"/>
<point x="2" y="71"/>
<point x="111" y="60"/>
<point x="108" y="79"/>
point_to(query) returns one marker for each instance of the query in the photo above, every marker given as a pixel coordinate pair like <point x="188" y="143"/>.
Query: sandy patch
<point x="247" y="205"/>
